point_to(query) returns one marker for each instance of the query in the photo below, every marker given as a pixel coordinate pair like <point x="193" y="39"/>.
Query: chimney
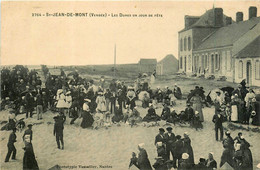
<point x="239" y="16"/>
<point x="190" y="20"/>
<point x="228" y="20"/>
<point x="218" y="17"/>
<point x="252" y="12"/>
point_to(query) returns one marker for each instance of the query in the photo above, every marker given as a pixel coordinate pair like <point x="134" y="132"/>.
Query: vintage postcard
<point x="130" y="85"/>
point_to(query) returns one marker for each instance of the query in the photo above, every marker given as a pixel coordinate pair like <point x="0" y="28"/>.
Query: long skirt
<point x="87" y="120"/>
<point x="198" y="107"/>
<point x="234" y="113"/>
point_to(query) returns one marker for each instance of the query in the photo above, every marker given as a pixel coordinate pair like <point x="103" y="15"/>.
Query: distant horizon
<point x="69" y="41"/>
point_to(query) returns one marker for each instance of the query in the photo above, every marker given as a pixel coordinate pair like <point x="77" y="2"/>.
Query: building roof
<point x="226" y="36"/>
<point x="206" y="20"/>
<point x="168" y="57"/>
<point x="147" y="61"/>
<point x="251" y="50"/>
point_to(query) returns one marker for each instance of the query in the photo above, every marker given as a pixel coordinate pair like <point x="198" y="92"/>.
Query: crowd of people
<point x="100" y="104"/>
<point x="176" y="152"/>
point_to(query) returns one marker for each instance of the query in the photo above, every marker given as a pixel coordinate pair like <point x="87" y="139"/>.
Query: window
<point x="257" y="69"/>
<point x="228" y="61"/>
<point x="181" y="44"/>
<point x="189" y="43"/>
<point x="185" y="44"/>
<point x="240" y="69"/>
<point x="181" y="63"/>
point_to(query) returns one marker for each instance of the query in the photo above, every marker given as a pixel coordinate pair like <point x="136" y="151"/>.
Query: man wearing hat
<point x="58" y="131"/>
<point x="201" y="165"/>
<point x="160" y="136"/>
<point x="218" y="119"/>
<point x="28" y="133"/>
<point x="170" y="140"/>
<point x="189" y="112"/>
<point x="29" y="104"/>
<point x="11" y="147"/>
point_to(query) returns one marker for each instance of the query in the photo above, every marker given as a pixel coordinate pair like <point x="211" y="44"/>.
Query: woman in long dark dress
<point x="29" y="161"/>
<point x="143" y="162"/>
<point x="187" y="148"/>
<point x="87" y="119"/>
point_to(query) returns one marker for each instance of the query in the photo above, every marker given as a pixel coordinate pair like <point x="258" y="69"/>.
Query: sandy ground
<point x="113" y="146"/>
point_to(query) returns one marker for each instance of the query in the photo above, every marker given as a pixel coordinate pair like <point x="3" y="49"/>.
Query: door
<point x="249" y="73"/>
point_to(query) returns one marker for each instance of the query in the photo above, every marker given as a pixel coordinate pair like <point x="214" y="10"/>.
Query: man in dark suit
<point x="160" y="136"/>
<point x="11" y="147"/>
<point x="29" y="104"/>
<point x="58" y="131"/>
<point x="218" y="120"/>
<point x="189" y="112"/>
<point x="170" y="140"/>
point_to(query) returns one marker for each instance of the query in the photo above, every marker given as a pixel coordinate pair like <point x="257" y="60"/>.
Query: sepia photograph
<point x="138" y="85"/>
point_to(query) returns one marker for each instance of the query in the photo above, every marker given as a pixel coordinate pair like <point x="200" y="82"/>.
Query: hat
<point x="227" y="133"/>
<point x="178" y="137"/>
<point x="150" y="104"/>
<point x="87" y="100"/>
<point x="59" y="91"/>
<point x="161" y="130"/>
<point x="169" y="128"/>
<point x="30" y="125"/>
<point x="253" y="113"/>
<point x="69" y="92"/>
<point x="185" y="156"/>
<point x="212" y="153"/>
<point x="175" y="84"/>
<point x="196" y="112"/>
<point x="55" y="117"/>
<point x="202" y="159"/>
<point x="141" y="145"/>
<point x="186" y="133"/>
<point x="7" y="98"/>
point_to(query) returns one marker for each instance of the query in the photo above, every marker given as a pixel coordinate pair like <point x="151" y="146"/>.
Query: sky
<point x="39" y="40"/>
